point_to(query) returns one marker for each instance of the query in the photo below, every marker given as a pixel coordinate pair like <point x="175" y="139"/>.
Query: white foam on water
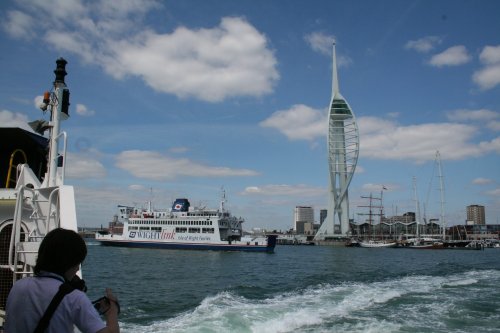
<point x="459" y="283"/>
<point x="347" y="307"/>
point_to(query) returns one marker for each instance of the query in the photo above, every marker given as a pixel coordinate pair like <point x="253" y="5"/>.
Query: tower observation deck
<point x="343" y="151"/>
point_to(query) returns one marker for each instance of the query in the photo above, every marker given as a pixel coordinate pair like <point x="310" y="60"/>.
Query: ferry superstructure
<point x="184" y="227"/>
<point x="33" y="196"/>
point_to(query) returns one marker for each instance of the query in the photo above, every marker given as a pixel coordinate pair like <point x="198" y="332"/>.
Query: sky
<point x="185" y="98"/>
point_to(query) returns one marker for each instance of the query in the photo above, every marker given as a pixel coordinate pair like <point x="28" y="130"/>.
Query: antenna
<point x="335" y="78"/>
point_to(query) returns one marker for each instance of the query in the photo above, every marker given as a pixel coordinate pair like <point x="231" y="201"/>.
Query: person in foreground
<point x="59" y="257"/>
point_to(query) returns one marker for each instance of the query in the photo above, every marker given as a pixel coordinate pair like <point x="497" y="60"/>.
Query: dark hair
<point x="60" y="250"/>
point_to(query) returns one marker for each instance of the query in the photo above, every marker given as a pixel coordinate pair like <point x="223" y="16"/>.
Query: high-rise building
<point x="343" y="151"/>
<point x="303" y="215"/>
<point x="322" y="215"/>
<point x="475" y="214"/>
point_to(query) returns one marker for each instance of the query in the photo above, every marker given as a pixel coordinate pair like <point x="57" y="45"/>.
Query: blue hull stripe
<point x="190" y="246"/>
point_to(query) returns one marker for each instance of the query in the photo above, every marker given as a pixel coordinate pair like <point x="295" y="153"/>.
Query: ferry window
<point x="180" y="230"/>
<point x="143" y="228"/>
<point x="132" y="228"/>
<point x="194" y="230"/>
<point x="155" y="228"/>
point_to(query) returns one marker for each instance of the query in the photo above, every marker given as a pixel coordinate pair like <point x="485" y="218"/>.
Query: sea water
<point x="300" y="289"/>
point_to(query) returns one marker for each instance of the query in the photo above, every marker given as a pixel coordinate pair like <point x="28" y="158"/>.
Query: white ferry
<point x="182" y="227"/>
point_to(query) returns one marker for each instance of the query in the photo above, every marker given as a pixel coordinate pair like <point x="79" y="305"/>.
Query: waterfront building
<point x="476" y="215"/>
<point x="304" y="228"/>
<point x="322" y="215"/>
<point x="303" y="215"/>
<point x="343" y="151"/>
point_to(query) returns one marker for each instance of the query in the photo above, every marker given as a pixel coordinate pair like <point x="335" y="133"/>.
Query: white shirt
<point x="29" y="298"/>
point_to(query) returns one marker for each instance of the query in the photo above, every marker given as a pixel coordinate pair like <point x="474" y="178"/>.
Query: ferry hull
<point x="193" y="246"/>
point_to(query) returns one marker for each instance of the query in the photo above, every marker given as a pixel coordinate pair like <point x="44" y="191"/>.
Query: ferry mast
<point x="343" y="151"/>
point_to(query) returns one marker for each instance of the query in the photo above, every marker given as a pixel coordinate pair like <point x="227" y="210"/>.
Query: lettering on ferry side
<point x="152" y="234"/>
<point x="193" y="238"/>
<point x="167" y="235"/>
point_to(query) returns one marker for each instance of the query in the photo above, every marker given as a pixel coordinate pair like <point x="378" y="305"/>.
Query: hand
<point x="105" y="303"/>
<point x="112" y="301"/>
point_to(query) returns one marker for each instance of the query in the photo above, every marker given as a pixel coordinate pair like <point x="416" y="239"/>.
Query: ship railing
<point x="41" y="209"/>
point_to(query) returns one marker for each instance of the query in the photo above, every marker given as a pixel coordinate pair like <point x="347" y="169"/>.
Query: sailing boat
<point x="421" y="242"/>
<point x="374" y="243"/>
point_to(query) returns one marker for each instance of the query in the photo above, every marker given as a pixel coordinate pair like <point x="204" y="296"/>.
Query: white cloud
<point x="320" y="42"/>
<point x="300" y="122"/>
<point x="423" y="45"/>
<point x="211" y="64"/>
<point x="482" y="181"/>
<point x="37" y="101"/>
<point x="494" y="193"/>
<point x="82" y="110"/>
<point x="13" y="119"/>
<point x="388" y="140"/>
<point x="453" y="56"/>
<point x="19" y="25"/>
<point x="493" y="146"/>
<point x="490" y="55"/>
<point x="472" y="115"/>
<point x="493" y="125"/>
<point x="83" y="166"/>
<point x="299" y="190"/>
<point x="488" y="77"/>
<point x="323" y="44"/>
<point x="376" y="188"/>
<point x="136" y="187"/>
<point x="155" y="166"/>
<point x="489" y="117"/>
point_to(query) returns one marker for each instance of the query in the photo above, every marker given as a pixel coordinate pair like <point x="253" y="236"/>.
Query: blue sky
<point x="180" y="98"/>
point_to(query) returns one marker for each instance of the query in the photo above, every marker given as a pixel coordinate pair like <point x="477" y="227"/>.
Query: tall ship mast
<point x="441" y="192"/>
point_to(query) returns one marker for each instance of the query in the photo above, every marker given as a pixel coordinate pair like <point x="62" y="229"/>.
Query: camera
<point x="103" y="304"/>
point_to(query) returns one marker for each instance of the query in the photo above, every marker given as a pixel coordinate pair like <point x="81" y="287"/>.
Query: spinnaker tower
<point x="343" y="151"/>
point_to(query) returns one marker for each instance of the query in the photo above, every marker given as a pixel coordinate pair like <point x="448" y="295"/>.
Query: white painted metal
<point x="343" y="151"/>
